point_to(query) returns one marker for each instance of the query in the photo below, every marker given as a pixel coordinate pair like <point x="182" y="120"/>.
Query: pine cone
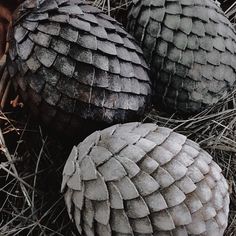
<point x="75" y="67"/>
<point x="191" y="48"/>
<point x="141" y="179"/>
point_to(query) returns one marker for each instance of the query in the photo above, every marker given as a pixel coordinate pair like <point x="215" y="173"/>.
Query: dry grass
<point x="30" y="176"/>
<point x="114" y="8"/>
<point x="229" y="6"/>
<point x="31" y="162"/>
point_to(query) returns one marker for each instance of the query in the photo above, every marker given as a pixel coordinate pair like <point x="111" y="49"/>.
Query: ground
<point x="31" y="163"/>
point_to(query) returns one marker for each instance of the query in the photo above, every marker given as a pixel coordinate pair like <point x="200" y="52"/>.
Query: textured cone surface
<point x="74" y="65"/>
<point x="141" y="179"/>
<point x="191" y="48"/>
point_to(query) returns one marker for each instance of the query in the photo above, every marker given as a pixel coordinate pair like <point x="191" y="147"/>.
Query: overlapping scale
<point x="191" y="49"/>
<point x="76" y="67"/>
<point x="156" y="183"/>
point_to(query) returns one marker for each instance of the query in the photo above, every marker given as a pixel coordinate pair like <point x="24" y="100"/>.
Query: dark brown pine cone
<point x="75" y="67"/>
<point x="191" y="48"/>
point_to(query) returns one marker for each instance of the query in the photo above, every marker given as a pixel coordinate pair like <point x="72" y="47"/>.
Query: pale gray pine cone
<point x="76" y="67"/>
<point x="143" y="180"/>
<point x="191" y="48"/>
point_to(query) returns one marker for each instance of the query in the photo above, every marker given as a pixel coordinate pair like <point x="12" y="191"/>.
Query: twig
<point x="5" y="150"/>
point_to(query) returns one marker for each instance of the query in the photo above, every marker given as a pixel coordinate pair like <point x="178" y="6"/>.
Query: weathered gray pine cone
<point x="191" y="48"/>
<point x="74" y="66"/>
<point x="141" y="179"/>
